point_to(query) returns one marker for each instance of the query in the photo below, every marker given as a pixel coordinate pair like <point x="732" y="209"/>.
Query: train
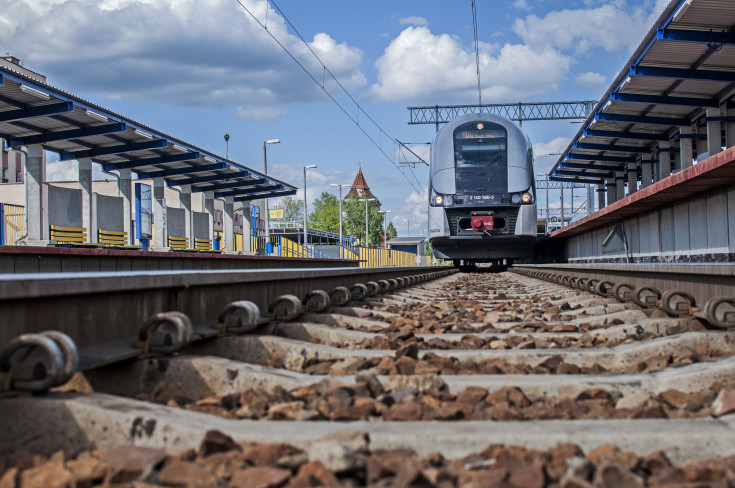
<point x="482" y="201"/>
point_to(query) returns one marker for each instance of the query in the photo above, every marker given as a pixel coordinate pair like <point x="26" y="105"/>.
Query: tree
<point x="326" y="213"/>
<point x="391" y="231"/>
<point x="354" y="221"/>
<point x="293" y="210"/>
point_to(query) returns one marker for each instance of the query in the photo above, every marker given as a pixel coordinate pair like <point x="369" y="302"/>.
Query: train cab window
<point x="480" y="145"/>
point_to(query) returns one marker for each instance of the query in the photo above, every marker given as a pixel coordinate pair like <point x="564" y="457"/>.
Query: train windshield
<point x="480" y="145"/>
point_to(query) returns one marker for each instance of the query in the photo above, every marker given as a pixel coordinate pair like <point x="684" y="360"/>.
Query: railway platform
<point x="29" y="259"/>
<point x="685" y="217"/>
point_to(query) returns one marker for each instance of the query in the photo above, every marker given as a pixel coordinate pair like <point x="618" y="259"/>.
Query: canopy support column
<point x="88" y="211"/>
<point x="159" y="215"/>
<point x="185" y="199"/>
<point x="37" y="197"/>
<point x="228" y="230"/>
<point x="208" y="208"/>
<point x="685" y="148"/>
<point x="125" y="193"/>
<point x="632" y="178"/>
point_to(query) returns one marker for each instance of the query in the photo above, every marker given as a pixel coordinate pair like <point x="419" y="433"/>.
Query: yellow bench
<point x="70" y="236"/>
<point x="204" y="245"/>
<point x="113" y="238"/>
<point x="179" y="243"/>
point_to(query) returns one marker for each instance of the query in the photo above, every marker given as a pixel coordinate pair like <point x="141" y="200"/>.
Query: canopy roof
<point x="33" y="112"/>
<point x="685" y="64"/>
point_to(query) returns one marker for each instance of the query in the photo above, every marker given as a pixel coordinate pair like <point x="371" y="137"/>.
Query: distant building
<point x="361" y="189"/>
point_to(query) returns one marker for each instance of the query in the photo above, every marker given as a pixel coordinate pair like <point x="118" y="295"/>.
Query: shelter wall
<point x="697" y="229"/>
<point x="201" y="225"/>
<point x="64" y="206"/>
<point x="176" y="222"/>
<point x="109" y="212"/>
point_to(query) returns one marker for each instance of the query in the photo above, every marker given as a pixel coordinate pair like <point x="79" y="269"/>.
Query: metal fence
<point x="373" y="257"/>
<point x="12" y="223"/>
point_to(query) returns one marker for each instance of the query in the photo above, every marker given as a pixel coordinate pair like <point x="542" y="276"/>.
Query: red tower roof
<point x="361" y="189"/>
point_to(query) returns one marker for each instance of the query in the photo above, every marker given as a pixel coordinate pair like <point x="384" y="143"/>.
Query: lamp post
<point x="265" y="169"/>
<point x="385" y="227"/>
<point x="366" y="200"/>
<point x="546" y="220"/>
<point x="340" y="215"/>
<point x="227" y="145"/>
<point x="408" y="226"/>
<point x="310" y="166"/>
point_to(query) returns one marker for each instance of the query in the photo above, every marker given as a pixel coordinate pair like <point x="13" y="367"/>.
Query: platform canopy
<point x="683" y="66"/>
<point x="33" y="112"/>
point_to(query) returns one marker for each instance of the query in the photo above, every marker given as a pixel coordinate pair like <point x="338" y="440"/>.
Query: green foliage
<point x="293" y="210"/>
<point x="354" y="220"/>
<point x="391" y="231"/>
<point x="326" y="213"/>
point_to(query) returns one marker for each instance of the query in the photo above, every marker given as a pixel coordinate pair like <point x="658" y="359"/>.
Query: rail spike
<point x="285" y="308"/>
<point x="358" y="291"/>
<point x="37" y="362"/>
<point x="317" y="301"/>
<point x="166" y="332"/>
<point x="372" y="288"/>
<point x="340" y="296"/>
<point x="677" y="302"/>
<point x="240" y="317"/>
<point x="720" y="312"/>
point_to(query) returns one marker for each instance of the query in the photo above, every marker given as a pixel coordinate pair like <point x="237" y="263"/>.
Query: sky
<point x="332" y="79"/>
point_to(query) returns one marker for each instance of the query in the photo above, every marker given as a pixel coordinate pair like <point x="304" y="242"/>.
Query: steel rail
<point x="652" y="284"/>
<point x="103" y="312"/>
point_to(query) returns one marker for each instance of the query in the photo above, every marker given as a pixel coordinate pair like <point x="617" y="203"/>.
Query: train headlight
<point x="438" y="200"/>
<point x="515" y="199"/>
<point x="526" y="198"/>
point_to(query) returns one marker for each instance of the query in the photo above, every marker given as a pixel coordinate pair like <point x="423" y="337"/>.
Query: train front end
<point x="482" y="203"/>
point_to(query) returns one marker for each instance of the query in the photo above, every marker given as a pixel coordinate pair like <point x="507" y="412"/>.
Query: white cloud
<point x="69" y="171"/>
<point x="420" y="65"/>
<point x="521" y="5"/>
<point x="188" y="52"/>
<point x="413" y="20"/>
<point x="546" y="154"/>
<point x="591" y="79"/>
<point x="612" y="27"/>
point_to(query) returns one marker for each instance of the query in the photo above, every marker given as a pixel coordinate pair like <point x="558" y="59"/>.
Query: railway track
<point x="458" y="380"/>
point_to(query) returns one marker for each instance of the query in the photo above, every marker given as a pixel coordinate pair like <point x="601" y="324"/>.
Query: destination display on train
<point x="481" y="134"/>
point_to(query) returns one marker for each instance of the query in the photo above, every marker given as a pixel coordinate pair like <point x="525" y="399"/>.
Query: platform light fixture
<point x="143" y="134"/>
<point x="366" y="200"/>
<point x="340" y="215"/>
<point x="385" y="227"/>
<point x="180" y="148"/>
<point x="310" y="166"/>
<point x="34" y="92"/>
<point x="681" y="10"/>
<point x="211" y="160"/>
<point x="265" y="169"/>
<point x="624" y="83"/>
<point x="96" y="116"/>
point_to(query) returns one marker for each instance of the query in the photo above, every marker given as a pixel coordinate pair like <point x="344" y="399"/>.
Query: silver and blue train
<point x="482" y="203"/>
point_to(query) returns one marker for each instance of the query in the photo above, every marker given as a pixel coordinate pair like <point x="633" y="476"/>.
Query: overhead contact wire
<point x="418" y="190"/>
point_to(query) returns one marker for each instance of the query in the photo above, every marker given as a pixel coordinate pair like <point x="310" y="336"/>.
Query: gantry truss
<point x="519" y="112"/>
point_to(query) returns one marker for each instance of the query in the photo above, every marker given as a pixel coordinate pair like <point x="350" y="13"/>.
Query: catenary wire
<point x="417" y="186"/>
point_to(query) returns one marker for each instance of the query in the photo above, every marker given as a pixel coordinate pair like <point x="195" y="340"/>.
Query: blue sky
<point x="199" y="68"/>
